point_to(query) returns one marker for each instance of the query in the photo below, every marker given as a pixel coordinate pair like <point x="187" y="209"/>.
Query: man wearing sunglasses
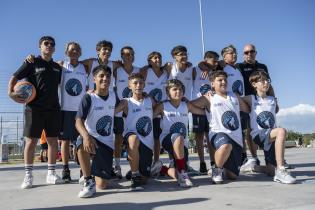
<point x="249" y="66"/>
<point x="43" y="113"/>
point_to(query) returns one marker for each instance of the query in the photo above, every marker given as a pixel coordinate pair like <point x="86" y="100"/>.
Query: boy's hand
<point x="89" y="144"/>
<point x="30" y="58"/>
<point x="16" y="97"/>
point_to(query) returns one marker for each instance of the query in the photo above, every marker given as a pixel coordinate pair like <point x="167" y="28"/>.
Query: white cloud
<point x="298" y="118"/>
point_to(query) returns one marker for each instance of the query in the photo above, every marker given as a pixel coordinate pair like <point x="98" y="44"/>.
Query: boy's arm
<point x="243" y="106"/>
<point x="158" y="110"/>
<point x="168" y="67"/>
<point x="144" y="72"/>
<point x="277" y="106"/>
<point x="247" y="100"/>
<point x="195" y="110"/>
<point x="88" y="63"/>
<point x="122" y="107"/>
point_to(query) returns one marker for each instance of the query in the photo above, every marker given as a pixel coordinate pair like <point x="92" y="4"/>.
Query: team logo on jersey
<point x="178" y="127"/>
<point x="156" y="94"/>
<point x="104" y="126"/>
<point x="265" y="120"/>
<point x="204" y="88"/>
<point x="73" y="87"/>
<point x="230" y="121"/>
<point x="144" y="126"/>
<point x="127" y="93"/>
<point x="237" y="87"/>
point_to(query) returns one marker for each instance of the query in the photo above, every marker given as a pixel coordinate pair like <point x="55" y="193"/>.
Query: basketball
<point x="26" y="90"/>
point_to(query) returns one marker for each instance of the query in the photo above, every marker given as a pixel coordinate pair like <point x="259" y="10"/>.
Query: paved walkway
<point x="251" y="191"/>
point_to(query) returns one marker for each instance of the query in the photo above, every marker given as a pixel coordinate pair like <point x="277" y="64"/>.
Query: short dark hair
<point x="211" y="54"/>
<point x="99" y="68"/>
<point x="228" y="48"/>
<point x="135" y="76"/>
<point x="216" y="74"/>
<point x="178" y="49"/>
<point x="152" y="54"/>
<point x="75" y="44"/>
<point x="46" y="38"/>
<point x="126" y="48"/>
<point x="174" y="83"/>
<point x="104" y="43"/>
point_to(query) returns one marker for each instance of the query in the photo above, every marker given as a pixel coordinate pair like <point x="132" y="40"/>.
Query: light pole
<point x="201" y="27"/>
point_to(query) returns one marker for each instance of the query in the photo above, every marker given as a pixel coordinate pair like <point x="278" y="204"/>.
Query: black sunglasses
<point x="251" y="51"/>
<point x="49" y="43"/>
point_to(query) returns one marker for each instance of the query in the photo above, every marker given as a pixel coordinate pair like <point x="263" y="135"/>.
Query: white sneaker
<point x="217" y="175"/>
<point x="283" y="176"/>
<point x="210" y="170"/>
<point x="156" y="168"/>
<point x="27" y="182"/>
<point x="81" y="181"/>
<point x="183" y="179"/>
<point x="53" y="178"/>
<point x="88" y="189"/>
<point x="249" y="165"/>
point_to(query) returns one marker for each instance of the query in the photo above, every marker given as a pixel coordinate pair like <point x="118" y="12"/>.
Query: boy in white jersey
<point x="174" y="123"/>
<point x="94" y="122"/>
<point x="155" y="81"/>
<point x="225" y="129"/>
<point x="138" y="132"/>
<point x="263" y="128"/>
<point x="72" y="89"/>
<point x="200" y="122"/>
<point x="122" y="91"/>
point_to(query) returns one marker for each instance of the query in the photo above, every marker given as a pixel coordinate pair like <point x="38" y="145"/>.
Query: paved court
<point x="251" y="191"/>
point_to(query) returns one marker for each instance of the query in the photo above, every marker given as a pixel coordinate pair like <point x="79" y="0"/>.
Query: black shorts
<point x="167" y="144"/>
<point x="245" y="120"/>
<point x="118" y="125"/>
<point x="270" y="155"/>
<point x="44" y="146"/>
<point x="145" y="157"/>
<point x="68" y="130"/>
<point x="200" y="123"/>
<point x="234" y="161"/>
<point x="157" y="128"/>
<point x="36" y="122"/>
<point x="102" y="161"/>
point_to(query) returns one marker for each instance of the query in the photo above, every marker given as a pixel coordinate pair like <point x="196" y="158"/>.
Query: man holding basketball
<point x="44" y="111"/>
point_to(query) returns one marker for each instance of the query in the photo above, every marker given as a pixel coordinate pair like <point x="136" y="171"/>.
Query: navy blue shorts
<point x="234" y="161"/>
<point x="68" y="130"/>
<point x="145" y="156"/>
<point x="167" y="144"/>
<point x="157" y="128"/>
<point x="270" y="155"/>
<point x="118" y="125"/>
<point x="200" y="123"/>
<point x="102" y="161"/>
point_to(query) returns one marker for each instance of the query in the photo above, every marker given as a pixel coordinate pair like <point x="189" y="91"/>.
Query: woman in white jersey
<point x="264" y="131"/>
<point x="225" y="129"/>
<point x="174" y="137"/>
<point x="138" y="132"/>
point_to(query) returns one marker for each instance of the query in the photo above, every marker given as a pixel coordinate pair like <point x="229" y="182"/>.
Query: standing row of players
<point x="116" y="103"/>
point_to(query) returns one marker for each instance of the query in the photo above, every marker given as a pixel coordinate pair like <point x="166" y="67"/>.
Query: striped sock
<point x="51" y="167"/>
<point x="28" y="168"/>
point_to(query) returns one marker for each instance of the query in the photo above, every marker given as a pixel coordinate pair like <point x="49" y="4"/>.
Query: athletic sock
<point x="51" y="168"/>
<point x="164" y="170"/>
<point x="180" y="164"/>
<point x="117" y="161"/>
<point x="28" y="168"/>
<point x="66" y="167"/>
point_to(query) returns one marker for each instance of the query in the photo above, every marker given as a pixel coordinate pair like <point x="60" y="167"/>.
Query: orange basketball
<point x="26" y="90"/>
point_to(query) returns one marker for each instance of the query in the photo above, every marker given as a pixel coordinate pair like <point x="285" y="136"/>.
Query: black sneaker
<point x="128" y="175"/>
<point x="203" y="168"/>
<point x="136" y="183"/>
<point x="66" y="177"/>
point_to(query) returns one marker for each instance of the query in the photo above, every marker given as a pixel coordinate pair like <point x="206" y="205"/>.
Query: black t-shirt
<point x="45" y="76"/>
<point x="246" y="70"/>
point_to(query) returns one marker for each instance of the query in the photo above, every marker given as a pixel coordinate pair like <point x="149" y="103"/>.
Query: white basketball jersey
<point x="122" y="82"/>
<point x="175" y="120"/>
<point x="263" y="114"/>
<point x="185" y="77"/>
<point x="225" y="117"/>
<point x="100" y="120"/>
<point x="139" y="120"/>
<point x="235" y="80"/>
<point x="201" y="85"/>
<point x="72" y="86"/>
<point x="155" y="86"/>
<point x="91" y="84"/>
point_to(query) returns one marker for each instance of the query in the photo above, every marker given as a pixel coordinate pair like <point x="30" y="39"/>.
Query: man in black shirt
<point x="43" y="113"/>
<point x="246" y="68"/>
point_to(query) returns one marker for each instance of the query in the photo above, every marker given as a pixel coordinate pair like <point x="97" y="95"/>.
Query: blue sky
<point x="283" y="32"/>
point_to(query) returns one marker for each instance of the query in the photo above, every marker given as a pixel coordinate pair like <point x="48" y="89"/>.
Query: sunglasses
<point x="251" y="52"/>
<point x="49" y="43"/>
